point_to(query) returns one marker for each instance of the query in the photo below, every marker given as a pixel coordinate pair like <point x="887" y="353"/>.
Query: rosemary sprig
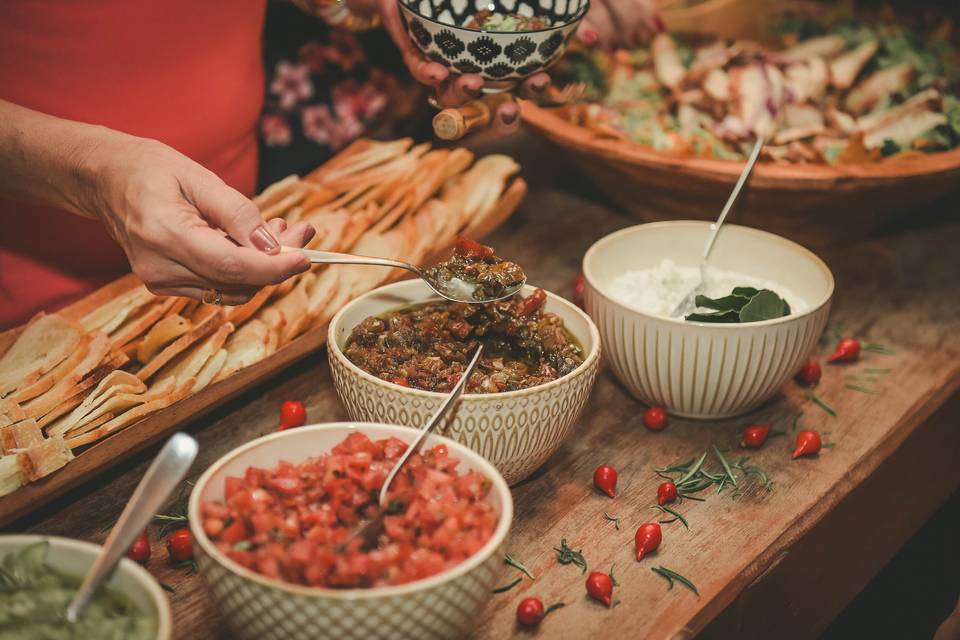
<point x="687" y="496"/>
<point x="507" y="587"/>
<point x="796" y="421"/>
<point x="566" y="555"/>
<point x="553" y="607"/>
<point x="677" y="466"/>
<point x="725" y="465"/>
<point x="519" y="566"/>
<point x="613" y="579"/>
<point x="177" y="516"/>
<point x="875" y="370"/>
<point x="672" y="576"/>
<point x="857" y="387"/>
<point x="823" y="405"/>
<point x="693" y="470"/>
<point x="676" y="516"/>
<point x="167" y="588"/>
<point x="752" y="469"/>
<point x="190" y="564"/>
<point x="615" y="520"/>
<point x="878" y="348"/>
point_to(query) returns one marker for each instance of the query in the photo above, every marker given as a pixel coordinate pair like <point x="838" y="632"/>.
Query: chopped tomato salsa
<point x="290" y="522"/>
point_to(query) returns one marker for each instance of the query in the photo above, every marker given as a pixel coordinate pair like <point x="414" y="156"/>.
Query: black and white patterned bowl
<point x="501" y="58"/>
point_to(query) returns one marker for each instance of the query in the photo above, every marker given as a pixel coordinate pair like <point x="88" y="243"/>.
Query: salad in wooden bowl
<point x="860" y="118"/>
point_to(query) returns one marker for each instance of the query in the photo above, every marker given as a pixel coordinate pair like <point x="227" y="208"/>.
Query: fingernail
<point x="282" y="224"/>
<point x="300" y="268"/>
<point x="473" y="92"/>
<point x="308" y="233"/>
<point x="589" y="36"/>
<point x="509" y="118"/>
<point x="262" y="239"/>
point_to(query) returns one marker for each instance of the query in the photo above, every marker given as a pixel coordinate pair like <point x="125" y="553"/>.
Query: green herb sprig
<point x="566" y="555"/>
<point x="672" y="576"/>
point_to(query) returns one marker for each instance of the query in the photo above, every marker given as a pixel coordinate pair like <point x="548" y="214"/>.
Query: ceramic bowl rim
<point x="577" y="17"/>
<point x="597" y="246"/>
<point x="459" y="450"/>
<point x="140" y="575"/>
<point x="335" y="351"/>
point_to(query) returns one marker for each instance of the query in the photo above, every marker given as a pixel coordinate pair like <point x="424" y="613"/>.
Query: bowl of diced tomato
<point x="271" y="521"/>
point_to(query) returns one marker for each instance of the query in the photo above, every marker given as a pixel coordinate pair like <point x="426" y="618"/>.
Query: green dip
<point x="34" y="599"/>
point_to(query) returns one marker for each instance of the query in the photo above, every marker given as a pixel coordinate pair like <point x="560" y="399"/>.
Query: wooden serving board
<point x="159" y="424"/>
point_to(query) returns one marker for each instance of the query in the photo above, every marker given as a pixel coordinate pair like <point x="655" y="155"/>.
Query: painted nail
<point x="589" y="36"/>
<point x="282" y="224"/>
<point x="262" y="239"/>
<point x="509" y="118"/>
<point x="308" y="233"/>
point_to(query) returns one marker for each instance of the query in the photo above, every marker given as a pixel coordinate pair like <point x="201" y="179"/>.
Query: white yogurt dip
<point x="659" y="290"/>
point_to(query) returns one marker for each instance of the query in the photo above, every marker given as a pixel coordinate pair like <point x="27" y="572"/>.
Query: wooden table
<point x="780" y="563"/>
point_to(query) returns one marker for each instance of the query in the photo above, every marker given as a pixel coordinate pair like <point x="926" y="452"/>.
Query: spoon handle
<point x="434" y="420"/>
<point x="715" y="229"/>
<point x="163" y="476"/>
<point x="331" y="257"/>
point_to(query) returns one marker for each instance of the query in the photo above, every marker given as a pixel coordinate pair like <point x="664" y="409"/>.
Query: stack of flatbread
<point x="67" y="383"/>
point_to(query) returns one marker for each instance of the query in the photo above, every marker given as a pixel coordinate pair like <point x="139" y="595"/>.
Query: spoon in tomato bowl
<point x="473" y="275"/>
<point x="370" y="529"/>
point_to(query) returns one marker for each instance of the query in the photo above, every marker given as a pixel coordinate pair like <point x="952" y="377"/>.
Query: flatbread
<point x="199" y="332"/>
<point x="45" y="342"/>
<point x="11" y="474"/>
<point x="50" y="378"/>
<point x="126" y="419"/>
<point x="19" y="435"/>
<point x="294" y="307"/>
<point x="111" y="314"/>
<point x="241" y="313"/>
<point x="82" y="389"/>
<point x="43" y="458"/>
<point x="247" y="345"/>
<point x="114" y="383"/>
<point x="331" y="226"/>
<point x="321" y="291"/>
<point x="165" y="331"/>
<point x="276" y="191"/>
<point x="97" y="349"/>
<point x="210" y="370"/>
<point x="187" y="365"/>
<point x="139" y="324"/>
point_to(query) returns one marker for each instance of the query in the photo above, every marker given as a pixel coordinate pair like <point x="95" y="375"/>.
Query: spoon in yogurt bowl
<point x="688" y="304"/>
<point x="473" y="275"/>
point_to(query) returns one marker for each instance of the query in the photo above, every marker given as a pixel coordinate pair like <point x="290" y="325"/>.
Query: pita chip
<point x="210" y="370"/>
<point x="246" y="345"/>
<point x="43" y="458"/>
<point x="111" y="314"/>
<point x="11" y="474"/>
<point x="126" y="419"/>
<point x="45" y="342"/>
<point x="115" y="382"/>
<point x="97" y="350"/>
<point x="20" y="435"/>
<point x="188" y="364"/>
<point x="197" y="333"/>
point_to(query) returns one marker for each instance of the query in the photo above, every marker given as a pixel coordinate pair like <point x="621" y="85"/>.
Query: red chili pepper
<point x="180" y="545"/>
<point x="530" y="612"/>
<point x="600" y="586"/>
<point x="140" y="549"/>
<point x="655" y="418"/>
<point x="292" y="414"/>
<point x="808" y="444"/>
<point x="647" y="539"/>
<point x="809" y="374"/>
<point x="755" y="435"/>
<point x="666" y="492"/>
<point x="605" y="478"/>
<point x="847" y="350"/>
<point x="579" y="288"/>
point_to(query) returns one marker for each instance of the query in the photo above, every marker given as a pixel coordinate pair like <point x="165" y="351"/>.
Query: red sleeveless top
<point x="184" y="72"/>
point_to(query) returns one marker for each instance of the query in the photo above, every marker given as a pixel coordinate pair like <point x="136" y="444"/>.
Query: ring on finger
<point x="212" y="296"/>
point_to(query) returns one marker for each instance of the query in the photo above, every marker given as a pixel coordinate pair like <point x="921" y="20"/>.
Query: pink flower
<point x="322" y="127"/>
<point x="343" y="50"/>
<point x="276" y="132"/>
<point x="291" y="83"/>
<point x="364" y="102"/>
<point x="312" y="54"/>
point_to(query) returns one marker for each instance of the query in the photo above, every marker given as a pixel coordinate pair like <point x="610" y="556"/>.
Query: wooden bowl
<point x="815" y="205"/>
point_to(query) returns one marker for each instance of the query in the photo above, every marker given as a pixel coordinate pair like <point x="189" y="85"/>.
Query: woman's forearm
<point x="45" y="160"/>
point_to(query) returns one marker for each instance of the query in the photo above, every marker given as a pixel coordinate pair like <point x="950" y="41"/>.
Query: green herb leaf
<point x="167" y="587"/>
<point x="516" y="564"/>
<point x="243" y="545"/>
<point x="823" y="405"/>
<point x="856" y="387"/>
<point x="878" y="348"/>
<point x="692" y="471"/>
<point x="725" y="465"/>
<point x="396" y="507"/>
<point x="889" y="148"/>
<point x="566" y="555"/>
<point x="766" y="305"/>
<point x="615" y="520"/>
<point x="553" y="607"/>
<point x="507" y="587"/>
<point x="673" y="575"/>
<point x="719" y="316"/>
<point x="676" y="516"/>
<point x="746" y="292"/>
<point x="726" y="303"/>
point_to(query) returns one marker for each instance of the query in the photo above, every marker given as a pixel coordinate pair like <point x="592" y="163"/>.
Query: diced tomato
<point x="471" y="249"/>
<point x="231" y="485"/>
<point x="234" y="533"/>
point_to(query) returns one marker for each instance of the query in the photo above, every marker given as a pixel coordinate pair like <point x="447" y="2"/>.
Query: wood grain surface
<point x="801" y="551"/>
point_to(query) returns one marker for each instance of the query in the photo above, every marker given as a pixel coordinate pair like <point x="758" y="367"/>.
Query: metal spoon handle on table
<point x="163" y="476"/>
<point x="432" y="423"/>
<point x="454" y="123"/>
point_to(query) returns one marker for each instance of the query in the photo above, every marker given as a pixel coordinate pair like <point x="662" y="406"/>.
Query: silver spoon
<point x="370" y="530"/>
<point x="164" y="475"/>
<point x="688" y="304"/>
<point x="455" y="290"/>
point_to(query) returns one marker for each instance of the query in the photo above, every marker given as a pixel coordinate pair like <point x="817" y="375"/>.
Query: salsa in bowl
<point x="275" y="578"/>
<point x="516" y="429"/>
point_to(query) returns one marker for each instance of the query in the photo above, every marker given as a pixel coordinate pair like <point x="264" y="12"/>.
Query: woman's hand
<point x="454" y="90"/>
<point x="620" y="23"/>
<point x="175" y="221"/>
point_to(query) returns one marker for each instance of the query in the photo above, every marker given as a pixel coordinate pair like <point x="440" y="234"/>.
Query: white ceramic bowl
<point x="259" y="608"/>
<point x="75" y="557"/>
<point x="702" y="370"/>
<point x="517" y="431"/>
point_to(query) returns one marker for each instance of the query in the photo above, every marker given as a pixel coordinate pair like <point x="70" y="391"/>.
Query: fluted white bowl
<point x="256" y="607"/>
<point x="516" y="430"/>
<point x="695" y="369"/>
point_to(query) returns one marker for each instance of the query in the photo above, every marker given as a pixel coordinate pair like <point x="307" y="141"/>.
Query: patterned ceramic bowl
<point x="260" y="608"/>
<point x="517" y="431"/>
<point x="701" y="370"/>
<point x="438" y="28"/>
<point x="75" y="557"/>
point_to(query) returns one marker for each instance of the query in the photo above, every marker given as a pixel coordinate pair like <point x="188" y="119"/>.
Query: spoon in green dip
<point x="164" y="475"/>
<point x="473" y="275"/>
